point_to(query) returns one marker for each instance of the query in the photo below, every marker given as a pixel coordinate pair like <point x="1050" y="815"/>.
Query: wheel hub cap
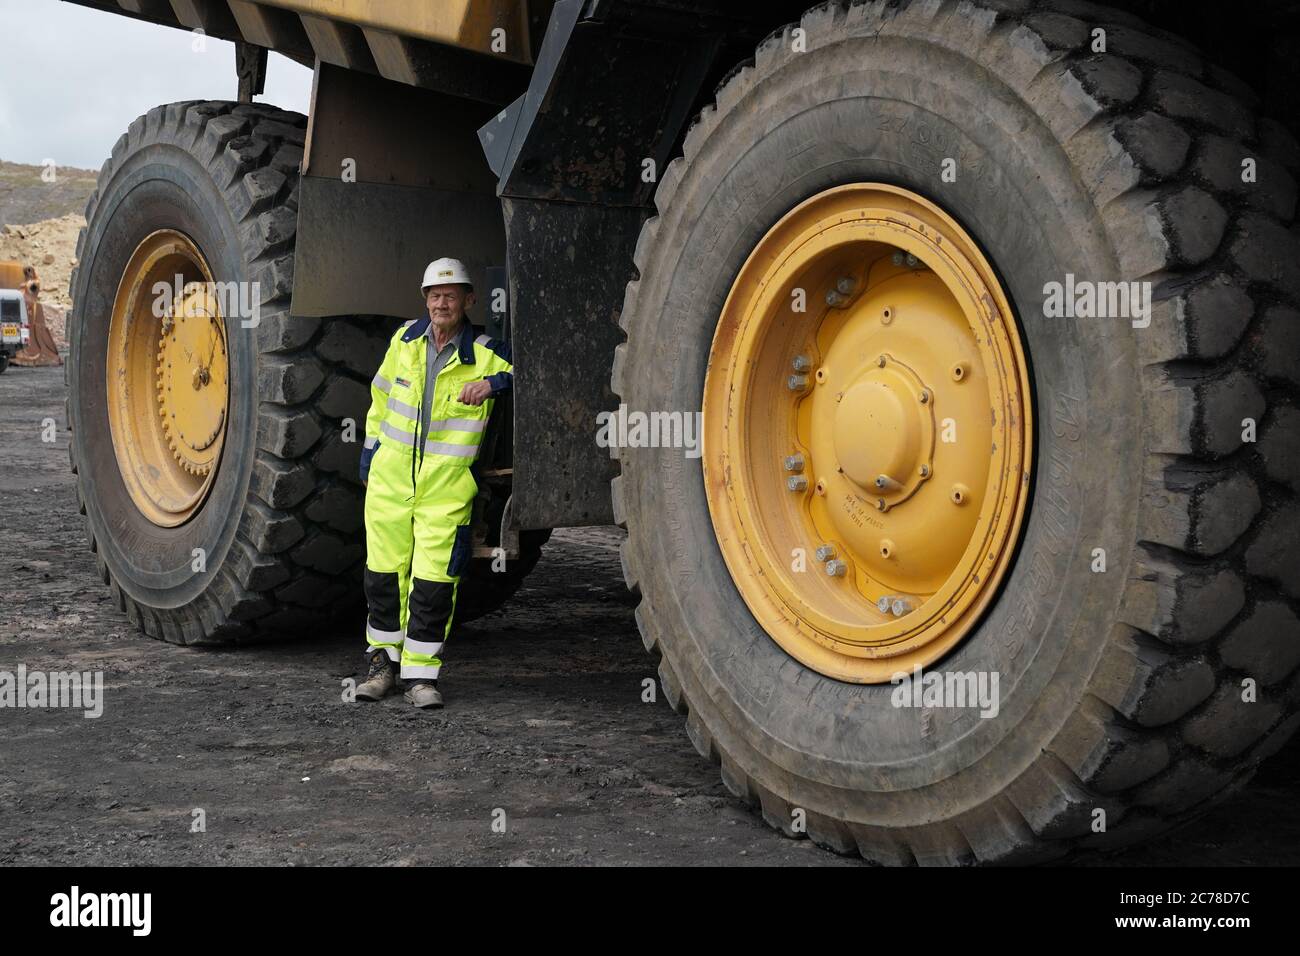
<point x="867" y="458"/>
<point x="192" y="382"/>
<point x="168" y="378"/>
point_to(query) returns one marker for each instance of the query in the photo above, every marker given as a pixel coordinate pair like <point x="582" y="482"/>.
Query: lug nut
<point x="836" y="569"/>
<point x="825" y="553"/>
<point x="912" y="261"/>
<point x="880" y="504"/>
<point x="845" y="285"/>
<point x="801" y="363"/>
<point x="882" y="605"/>
<point x="835" y="300"/>
<point x="900" y="606"/>
<point x="797" y="383"/>
<point x="925" y="471"/>
<point x="793" y="462"/>
<point x="796" y="482"/>
<point x="925" y="396"/>
<point x="898" y="257"/>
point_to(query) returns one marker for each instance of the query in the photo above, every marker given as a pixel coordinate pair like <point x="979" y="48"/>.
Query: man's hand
<point x="475" y="393"/>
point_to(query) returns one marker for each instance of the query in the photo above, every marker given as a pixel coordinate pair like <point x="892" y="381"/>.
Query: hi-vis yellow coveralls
<point x="420" y="492"/>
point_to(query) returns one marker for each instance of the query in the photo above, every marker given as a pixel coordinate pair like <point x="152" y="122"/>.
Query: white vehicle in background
<point x="14" y="328"/>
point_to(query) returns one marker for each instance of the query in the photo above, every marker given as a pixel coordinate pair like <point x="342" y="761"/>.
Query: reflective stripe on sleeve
<point x="381" y="383"/>
<point x="370" y="443"/>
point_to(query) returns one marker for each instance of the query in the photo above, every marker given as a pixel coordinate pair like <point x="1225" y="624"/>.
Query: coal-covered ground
<point x="545" y="724"/>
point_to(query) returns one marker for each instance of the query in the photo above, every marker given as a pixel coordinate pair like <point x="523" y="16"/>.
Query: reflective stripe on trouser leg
<point x="433" y="605"/>
<point x="389" y="543"/>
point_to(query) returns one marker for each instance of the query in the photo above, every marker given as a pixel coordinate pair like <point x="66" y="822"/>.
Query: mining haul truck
<point x="986" y="311"/>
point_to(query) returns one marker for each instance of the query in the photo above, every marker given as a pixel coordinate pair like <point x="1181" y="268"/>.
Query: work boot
<point x="381" y="678"/>
<point x="423" y="693"/>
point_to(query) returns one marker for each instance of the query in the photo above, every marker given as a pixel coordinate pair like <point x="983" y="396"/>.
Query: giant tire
<point x="1120" y="691"/>
<point x="281" y="528"/>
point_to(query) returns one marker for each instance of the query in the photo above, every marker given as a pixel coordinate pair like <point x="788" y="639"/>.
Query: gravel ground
<point x="545" y="728"/>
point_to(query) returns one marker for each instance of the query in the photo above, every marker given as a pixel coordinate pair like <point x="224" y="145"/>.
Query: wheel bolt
<point x="882" y="605"/>
<point x="825" y="553"/>
<point x="912" y="261"/>
<point x="796" y="482"/>
<point x="801" y="363"/>
<point x="797" y="383"/>
<point x="835" y="300"/>
<point x="836" y="569"/>
<point x="897" y="257"/>
<point x="880" y="504"/>
<point x="900" y="606"/>
<point x="845" y="285"/>
<point x="793" y="462"/>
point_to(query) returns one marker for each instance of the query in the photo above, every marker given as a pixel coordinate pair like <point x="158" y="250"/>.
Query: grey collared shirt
<point x="434" y="364"/>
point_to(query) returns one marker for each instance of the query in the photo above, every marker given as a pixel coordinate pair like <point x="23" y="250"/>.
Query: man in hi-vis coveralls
<point x="431" y="400"/>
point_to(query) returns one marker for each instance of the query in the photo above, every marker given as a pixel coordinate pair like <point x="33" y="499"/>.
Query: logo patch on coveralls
<point x="403" y="382"/>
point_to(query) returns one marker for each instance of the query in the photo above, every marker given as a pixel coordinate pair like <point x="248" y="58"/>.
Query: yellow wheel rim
<point x="867" y="432"/>
<point x="168" y="378"/>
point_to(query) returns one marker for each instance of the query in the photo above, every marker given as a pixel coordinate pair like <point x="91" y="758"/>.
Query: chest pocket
<point x="452" y="421"/>
<point x="455" y="409"/>
<point x="447" y="402"/>
<point x="408" y="385"/>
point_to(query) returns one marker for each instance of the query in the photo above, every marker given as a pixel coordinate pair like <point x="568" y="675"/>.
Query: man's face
<point x="446" y="304"/>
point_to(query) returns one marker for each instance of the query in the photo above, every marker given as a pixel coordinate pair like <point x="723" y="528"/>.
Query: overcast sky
<point x="72" y="79"/>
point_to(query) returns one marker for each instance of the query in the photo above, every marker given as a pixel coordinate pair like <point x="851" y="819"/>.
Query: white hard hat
<point x="445" y="272"/>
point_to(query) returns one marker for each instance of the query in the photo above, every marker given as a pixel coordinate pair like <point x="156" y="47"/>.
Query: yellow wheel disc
<point x="168" y="378"/>
<point x="867" y="432"/>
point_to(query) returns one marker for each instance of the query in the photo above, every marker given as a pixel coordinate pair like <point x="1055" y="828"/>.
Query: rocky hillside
<point x="39" y="222"/>
<point x="25" y="197"/>
<point x="51" y="247"/>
